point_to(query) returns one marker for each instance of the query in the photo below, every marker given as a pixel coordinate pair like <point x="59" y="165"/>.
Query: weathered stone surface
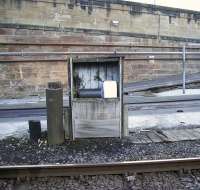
<point x="129" y="15"/>
<point x="58" y="26"/>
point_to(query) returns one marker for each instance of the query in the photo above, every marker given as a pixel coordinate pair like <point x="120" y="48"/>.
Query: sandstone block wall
<point x="67" y="25"/>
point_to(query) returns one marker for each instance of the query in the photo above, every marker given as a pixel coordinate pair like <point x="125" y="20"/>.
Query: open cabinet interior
<point x="90" y="76"/>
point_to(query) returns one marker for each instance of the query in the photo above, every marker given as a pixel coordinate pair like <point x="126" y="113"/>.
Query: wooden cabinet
<point x="91" y="114"/>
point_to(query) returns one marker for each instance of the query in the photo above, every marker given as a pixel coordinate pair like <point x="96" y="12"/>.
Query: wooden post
<point x="67" y="123"/>
<point x="125" y="131"/>
<point x="54" y="101"/>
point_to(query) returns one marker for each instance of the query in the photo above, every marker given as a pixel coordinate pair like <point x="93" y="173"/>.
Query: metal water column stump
<point x="54" y="101"/>
<point x="96" y="99"/>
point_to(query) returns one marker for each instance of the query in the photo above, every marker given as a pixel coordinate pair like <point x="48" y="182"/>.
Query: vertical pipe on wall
<point x="121" y="97"/>
<point x="71" y="82"/>
<point x="184" y="67"/>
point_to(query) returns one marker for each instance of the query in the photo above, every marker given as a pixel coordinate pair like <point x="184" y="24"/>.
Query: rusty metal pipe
<point x="128" y="45"/>
<point x="64" y="60"/>
<point x="93" y="53"/>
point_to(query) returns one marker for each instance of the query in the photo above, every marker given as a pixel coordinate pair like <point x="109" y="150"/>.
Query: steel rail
<point x="98" y="169"/>
<point x="38" y="111"/>
<point x="128" y="99"/>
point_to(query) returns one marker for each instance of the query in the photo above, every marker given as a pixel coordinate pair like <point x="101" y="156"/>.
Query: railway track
<point x="99" y="169"/>
<point x="133" y="103"/>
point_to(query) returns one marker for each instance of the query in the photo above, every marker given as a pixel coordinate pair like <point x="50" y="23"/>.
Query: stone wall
<point x="67" y="25"/>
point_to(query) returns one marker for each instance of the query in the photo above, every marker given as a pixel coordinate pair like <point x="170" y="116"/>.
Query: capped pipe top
<point x="54" y="85"/>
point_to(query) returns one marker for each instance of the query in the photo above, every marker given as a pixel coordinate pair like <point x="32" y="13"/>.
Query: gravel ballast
<point x="144" y="181"/>
<point x="21" y="151"/>
<point x="15" y="151"/>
